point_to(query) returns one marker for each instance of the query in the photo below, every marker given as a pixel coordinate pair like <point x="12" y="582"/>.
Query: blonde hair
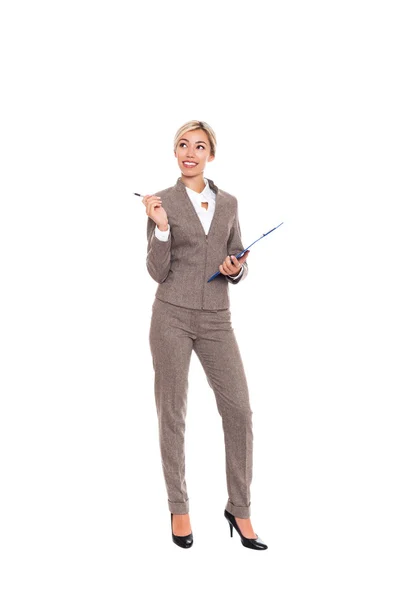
<point x="191" y="126"/>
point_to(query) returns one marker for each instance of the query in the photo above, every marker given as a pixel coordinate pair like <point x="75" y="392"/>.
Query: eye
<point x="184" y="144"/>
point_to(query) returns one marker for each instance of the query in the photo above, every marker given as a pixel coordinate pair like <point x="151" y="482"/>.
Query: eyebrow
<point x="199" y="142"/>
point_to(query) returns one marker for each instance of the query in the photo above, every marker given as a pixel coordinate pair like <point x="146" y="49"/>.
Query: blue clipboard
<point x="245" y="250"/>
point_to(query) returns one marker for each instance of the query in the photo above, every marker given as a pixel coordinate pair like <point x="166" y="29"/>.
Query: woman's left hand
<point x="227" y="268"/>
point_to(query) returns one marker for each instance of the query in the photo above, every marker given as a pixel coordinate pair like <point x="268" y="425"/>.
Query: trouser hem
<point x="243" y="512"/>
<point x="179" y="508"/>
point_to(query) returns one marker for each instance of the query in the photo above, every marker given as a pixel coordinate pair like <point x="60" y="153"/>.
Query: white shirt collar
<point x="207" y="193"/>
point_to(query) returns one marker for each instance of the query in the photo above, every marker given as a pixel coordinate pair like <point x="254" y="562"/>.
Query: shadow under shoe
<point x="183" y="541"/>
<point x="255" y="543"/>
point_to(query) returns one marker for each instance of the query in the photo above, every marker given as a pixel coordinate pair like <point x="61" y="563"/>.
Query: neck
<point x="195" y="183"/>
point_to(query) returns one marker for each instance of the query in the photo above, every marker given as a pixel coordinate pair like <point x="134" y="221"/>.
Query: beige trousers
<point x="174" y="332"/>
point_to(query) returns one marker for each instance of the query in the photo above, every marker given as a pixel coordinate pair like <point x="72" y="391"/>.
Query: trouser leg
<point x="171" y="347"/>
<point x="219" y="354"/>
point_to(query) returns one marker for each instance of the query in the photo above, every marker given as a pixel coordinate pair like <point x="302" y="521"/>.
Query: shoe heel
<point x="255" y="543"/>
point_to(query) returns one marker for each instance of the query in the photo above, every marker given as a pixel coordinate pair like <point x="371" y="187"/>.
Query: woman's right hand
<point x="155" y="211"/>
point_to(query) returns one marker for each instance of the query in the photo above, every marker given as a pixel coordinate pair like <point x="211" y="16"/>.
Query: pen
<point x="141" y="195"/>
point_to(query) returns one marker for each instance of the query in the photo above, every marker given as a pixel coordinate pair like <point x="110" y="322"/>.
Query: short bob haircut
<point x="191" y="126"/>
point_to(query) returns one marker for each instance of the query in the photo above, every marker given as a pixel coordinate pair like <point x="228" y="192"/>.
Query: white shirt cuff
<point x="162" y="235"/>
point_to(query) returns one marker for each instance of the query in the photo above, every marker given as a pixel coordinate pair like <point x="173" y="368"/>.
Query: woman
<point x="192" y="231"/>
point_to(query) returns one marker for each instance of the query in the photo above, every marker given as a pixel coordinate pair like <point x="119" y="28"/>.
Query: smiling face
<point x="193" y="152"/>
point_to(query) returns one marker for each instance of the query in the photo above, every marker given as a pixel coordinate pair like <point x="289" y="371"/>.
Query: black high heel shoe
<point x="184" y="541"/>
<point x="255" y="543"/>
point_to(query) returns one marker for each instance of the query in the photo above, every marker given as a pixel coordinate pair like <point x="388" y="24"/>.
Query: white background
<point x="304" y="99"/>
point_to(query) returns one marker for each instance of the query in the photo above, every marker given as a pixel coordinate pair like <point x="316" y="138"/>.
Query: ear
<point x="211" y="157"/>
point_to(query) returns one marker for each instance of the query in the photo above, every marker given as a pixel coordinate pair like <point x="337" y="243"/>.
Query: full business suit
<point x="190" y="314"/>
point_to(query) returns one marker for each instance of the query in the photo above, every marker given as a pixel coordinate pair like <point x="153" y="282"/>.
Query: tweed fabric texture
<point x="182" y="265"/>
<point x="174" y="333"/>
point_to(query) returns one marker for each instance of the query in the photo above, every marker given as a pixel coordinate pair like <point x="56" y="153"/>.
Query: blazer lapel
<point x="180" y="186"/>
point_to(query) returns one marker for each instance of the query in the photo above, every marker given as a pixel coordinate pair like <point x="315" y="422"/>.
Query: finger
<point x="151" y="204"/>
<point x="243" y="258"/>
<point x="148" y="197"/>
<point x="151" y="210"/>
<point x="235" y="267"/>
<point x="229" y="267"/>
<point x="235" y="261"/>
<point x="226" y="271"/>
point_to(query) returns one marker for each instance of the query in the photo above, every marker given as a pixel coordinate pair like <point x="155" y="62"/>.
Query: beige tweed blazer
<point x="182" y="265"/>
